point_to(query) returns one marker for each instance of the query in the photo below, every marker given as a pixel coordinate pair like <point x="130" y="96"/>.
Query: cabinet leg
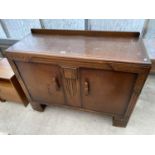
<point x="120" y="122"/>
<point x="38" y="107"/>
<point x="2" y="100"/>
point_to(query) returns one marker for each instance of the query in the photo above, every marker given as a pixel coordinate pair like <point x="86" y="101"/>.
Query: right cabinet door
<point x="106" y="91"/>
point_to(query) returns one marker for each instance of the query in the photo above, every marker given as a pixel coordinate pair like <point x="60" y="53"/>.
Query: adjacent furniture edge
<point x="19" y="90"/>
<point x="13" y="84"/>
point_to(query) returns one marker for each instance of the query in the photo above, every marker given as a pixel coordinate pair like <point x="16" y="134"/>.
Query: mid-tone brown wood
<point x="114" y="88"/>
<point x="10" y="88"/>
<point x="115" y="49"/>
<point x="45" y="85"/>
<point x="89" y="70"/>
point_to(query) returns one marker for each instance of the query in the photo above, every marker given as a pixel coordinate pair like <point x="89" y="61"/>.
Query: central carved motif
<point x="71" y="86"/>
<point x="70" y="80"/>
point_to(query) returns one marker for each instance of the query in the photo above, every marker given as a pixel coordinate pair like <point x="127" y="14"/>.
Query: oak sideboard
<point x="88" y="70"/>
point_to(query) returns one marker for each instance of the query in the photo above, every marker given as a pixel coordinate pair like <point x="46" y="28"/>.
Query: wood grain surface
<point x="111" y="46"/>
<point x="91" y="70"/>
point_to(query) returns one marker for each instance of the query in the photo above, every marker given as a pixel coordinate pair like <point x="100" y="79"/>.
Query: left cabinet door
<point x="43" y="82"/>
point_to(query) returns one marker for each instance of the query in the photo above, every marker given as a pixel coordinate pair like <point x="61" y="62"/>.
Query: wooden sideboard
<point x="90" y="70"/>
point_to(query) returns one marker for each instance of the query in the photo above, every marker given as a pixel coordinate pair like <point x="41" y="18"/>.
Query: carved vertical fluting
<point x="70" y="81"/>
<point x="71" y="86"/>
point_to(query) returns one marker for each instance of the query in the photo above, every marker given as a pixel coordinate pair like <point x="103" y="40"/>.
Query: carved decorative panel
<point x="71" y="86"/>
<point x="70" y="80"/>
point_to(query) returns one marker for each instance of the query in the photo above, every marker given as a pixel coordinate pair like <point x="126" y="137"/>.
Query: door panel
<point x="43" y="82"/>
<point x="106" y="91"/>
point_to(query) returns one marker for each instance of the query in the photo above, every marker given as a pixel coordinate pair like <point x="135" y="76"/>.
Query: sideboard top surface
<point x="95" y="45"/>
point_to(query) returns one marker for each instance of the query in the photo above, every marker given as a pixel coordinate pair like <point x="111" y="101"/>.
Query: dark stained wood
<point x="86" y="33"/>
<point x="96" y="71"/>
<point x="10" y="88"/>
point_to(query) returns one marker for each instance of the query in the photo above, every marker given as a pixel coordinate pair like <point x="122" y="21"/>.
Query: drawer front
<point x="43" y="82"/>
<point x="8" y="92"/>
<point x="106" y="91"/>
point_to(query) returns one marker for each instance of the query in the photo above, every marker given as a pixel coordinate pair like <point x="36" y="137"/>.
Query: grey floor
<point x="15" y="119"/>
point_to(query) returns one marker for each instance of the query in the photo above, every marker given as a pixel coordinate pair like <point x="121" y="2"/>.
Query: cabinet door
<point x="106" y="91"/>
<point x="43" y="82"/>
